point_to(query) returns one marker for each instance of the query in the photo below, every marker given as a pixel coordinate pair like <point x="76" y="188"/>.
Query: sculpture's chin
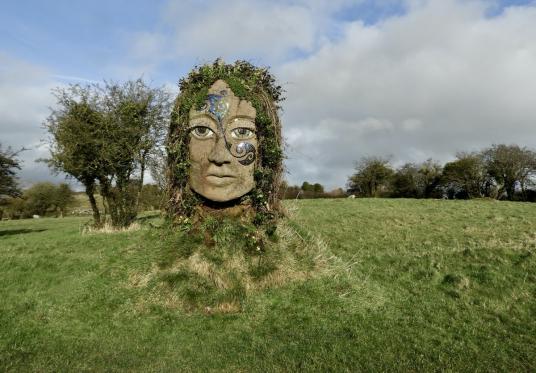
<point x="222" y="190"/>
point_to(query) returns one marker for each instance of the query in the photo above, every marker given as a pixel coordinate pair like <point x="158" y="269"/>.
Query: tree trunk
<point x="140" y="185"/>
<point x="119" y="202"/>
<point x="90" y="188"/>
<point x="510" y="190"/>
<point x="109" y="200"/>
<point x="523" y="188"/>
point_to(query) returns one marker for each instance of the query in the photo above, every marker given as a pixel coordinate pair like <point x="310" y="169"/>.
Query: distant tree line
<point x="500" y="172"/>
<point x="58" y="200"/>
<point x="42" y="199"/>
<point x="308" y="190"/>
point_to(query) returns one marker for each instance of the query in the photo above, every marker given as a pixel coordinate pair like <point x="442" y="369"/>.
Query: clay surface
<point x="223" y="146"/>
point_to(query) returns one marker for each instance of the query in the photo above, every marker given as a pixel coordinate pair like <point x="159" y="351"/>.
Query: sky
<point x="405" y="79"/>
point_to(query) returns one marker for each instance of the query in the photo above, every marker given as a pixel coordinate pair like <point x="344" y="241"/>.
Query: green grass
<point x="413" y="285"/>
<point x="82" y="206"/>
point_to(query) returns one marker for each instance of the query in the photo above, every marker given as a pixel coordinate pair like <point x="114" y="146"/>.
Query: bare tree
<point x="106" y="135"/>
<point x="467" y="176"/>
<point x="8" y="179"/>
<point x="509" y="166"/>
<point x="372" y="177"/>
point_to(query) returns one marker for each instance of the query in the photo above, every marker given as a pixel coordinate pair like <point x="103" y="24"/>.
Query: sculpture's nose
<point x="219" y="154"/>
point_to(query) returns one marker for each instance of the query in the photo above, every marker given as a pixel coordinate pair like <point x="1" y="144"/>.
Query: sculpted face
<point x="223" y="145"/>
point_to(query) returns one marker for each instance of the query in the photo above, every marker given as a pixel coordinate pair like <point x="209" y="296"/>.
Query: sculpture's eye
<point x="242" y="133"/>
<point x="202" y="132"/>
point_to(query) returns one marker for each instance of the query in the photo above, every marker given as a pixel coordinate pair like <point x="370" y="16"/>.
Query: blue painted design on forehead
<point x="218" y="105"/>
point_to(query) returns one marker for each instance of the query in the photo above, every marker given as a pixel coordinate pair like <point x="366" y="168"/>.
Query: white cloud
<point x="25" y="90"/>
<point x="439" y="79"/>
<point x="23" y="100"/>
<point x="267" y="32"/>
<point x="264" y="31"/>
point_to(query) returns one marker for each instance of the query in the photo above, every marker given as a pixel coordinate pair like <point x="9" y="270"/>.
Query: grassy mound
<point x="214" y="271"/>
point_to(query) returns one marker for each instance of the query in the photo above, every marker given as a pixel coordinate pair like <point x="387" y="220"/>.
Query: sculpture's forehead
<point x="219" y="86"/>
<point x="222" y="103"/>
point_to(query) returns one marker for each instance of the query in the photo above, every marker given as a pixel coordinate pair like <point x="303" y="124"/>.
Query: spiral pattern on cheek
<point x="246" y="152"/>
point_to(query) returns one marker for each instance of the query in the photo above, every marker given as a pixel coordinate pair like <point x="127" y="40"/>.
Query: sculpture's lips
<point x="220" y="179"/>
<point x="220" y="175"/>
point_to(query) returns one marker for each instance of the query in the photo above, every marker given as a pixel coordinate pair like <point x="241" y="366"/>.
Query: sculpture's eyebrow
<point x="196" y="117"/>
<point x="244" y="120"/>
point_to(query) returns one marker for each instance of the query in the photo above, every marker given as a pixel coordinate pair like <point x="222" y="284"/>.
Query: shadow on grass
<point x="148" y="218"/>
<point x="13" y="232"/>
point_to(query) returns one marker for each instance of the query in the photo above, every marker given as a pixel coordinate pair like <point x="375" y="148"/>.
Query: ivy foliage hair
<point x="249" y="83"/>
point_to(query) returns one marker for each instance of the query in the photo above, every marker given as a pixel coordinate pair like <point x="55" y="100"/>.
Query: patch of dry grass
<point x="107" y="228"/>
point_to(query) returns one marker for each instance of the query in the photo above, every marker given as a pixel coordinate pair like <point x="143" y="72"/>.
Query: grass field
<point x="415" y="285"/>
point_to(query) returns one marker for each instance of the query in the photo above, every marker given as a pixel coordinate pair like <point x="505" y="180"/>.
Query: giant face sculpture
<point x="224" y="148"/>
<point x="223" y="145"/>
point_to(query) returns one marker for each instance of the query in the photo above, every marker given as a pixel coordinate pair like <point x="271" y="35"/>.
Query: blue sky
<point x="76" y="38"/>
<point x="411" y="79"/>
